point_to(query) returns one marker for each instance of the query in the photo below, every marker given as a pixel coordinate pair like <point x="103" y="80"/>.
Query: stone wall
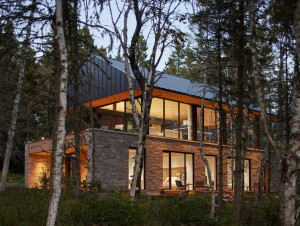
<point x="110" y="159"/>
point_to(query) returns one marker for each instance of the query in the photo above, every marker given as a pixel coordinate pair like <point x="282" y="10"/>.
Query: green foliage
<point x="44" y="178"/>
<point x="29" y="207"/>
<point x="267" y="213"/>
<point x="15" y="178"/>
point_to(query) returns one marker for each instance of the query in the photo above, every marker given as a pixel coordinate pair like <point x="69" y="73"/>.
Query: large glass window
<point x="212" y="162"/>
<point x="210" y="125"/>
<point x="186" y="121"/>
<point x="156" y="121"/>
<point x="166" y="170"/>
<point x="247" y="175"/>
<point x="253" y="133"/>
<point x="113" y="116"/>
<point x="247" y="171"/>
<point x="199" y="124"/>
<point x="180" y="167"/>
<point x="130" y="123"/>
<point x="131" y="162"/>
<point x="171" y="119"/>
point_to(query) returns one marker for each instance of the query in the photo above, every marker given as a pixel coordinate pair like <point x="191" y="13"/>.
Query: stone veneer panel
<point x="111" y="159"/>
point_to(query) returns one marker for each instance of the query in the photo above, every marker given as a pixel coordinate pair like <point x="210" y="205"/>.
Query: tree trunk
<point x="238" y="188"/>
<point x="211" y="183"/>
<point x="221" y="120"/>
<point x="76" y="110"/>
<point x="12" y="128"/>
<point x="58" y="149"/>
<point x="289" y="164"/>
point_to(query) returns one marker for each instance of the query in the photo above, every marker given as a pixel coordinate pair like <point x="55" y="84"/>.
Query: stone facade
<point x="110" y="159"/>
<point x="106" y="158"/>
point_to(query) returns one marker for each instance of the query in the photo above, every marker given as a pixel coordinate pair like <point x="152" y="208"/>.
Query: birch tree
<point x="59" y="131"/>
<point x="288" y="161"/>
<point x="159" y="16"/>
<point x="12" y="128"/>
<point x="204" y="159"/>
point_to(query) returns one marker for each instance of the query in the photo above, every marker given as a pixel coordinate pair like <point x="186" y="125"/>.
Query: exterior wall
<point x="106" y="159"/>
<point x="38" y="159"/>
<point x="37" y="163"/>
<point x="111" y="159"/>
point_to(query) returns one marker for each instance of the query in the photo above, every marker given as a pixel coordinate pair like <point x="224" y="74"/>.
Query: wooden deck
<point x="183" y="192"/>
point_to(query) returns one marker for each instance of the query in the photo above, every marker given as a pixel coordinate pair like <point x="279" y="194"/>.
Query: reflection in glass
<point x="186" y="121"/>
<point x="156" y="117"/>
<point x="198" y="123"/>
<point x="177" y="169"/>
<point x="166" y="171"/>
<point x="210" y="125"/>
<point x="229" y="174"/>
<point x="181" y="168"/>
<point x="189" y="171"/>
<point x="131" y="162"/>
<point x="112" y="116"/>
<point x="212" y="166"/>
<point x="130" y="123"/>
<point x="247" y="184"/>
<point x="246" y="175"/>
<point x="171" y="119"/>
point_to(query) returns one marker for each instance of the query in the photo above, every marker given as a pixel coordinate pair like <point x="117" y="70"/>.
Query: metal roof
<point x="172" y="82"/>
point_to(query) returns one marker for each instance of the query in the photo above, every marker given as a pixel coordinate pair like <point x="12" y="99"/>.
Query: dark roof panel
<point x="174" y="83"/>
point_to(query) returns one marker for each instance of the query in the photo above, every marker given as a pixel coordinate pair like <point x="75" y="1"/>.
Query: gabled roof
<point x="106" y="77"/>
<point x="173" y="83"/>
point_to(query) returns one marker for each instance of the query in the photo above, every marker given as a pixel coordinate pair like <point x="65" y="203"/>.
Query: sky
<point x="105" y="20"/>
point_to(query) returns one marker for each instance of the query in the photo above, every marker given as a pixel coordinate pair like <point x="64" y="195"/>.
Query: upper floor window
<point x="174" y="120"/>
<point x="156" y="119"/>
<point x="210" y="125"/>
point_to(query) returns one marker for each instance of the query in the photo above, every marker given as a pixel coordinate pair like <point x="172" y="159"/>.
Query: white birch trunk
<point x="161" y="25"/>
<point x="289" y="163"/>
<point x="211" y="183"/>
<point x="58" y="150"/>
<point x="12" y="128"/>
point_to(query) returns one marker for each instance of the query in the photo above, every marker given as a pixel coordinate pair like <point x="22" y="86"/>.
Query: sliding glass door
<point x="177" y="167"/>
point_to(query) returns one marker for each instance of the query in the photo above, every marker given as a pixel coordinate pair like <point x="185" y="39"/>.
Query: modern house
<point x="172" y="146"/>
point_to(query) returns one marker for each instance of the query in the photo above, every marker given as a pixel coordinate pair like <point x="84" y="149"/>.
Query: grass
<point x="15" y="178"/>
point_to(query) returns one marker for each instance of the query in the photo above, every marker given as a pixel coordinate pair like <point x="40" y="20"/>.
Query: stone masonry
<point x="110" y="159"/>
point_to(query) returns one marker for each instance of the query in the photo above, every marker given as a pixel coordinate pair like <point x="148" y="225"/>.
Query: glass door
<point x="178" y="167"/>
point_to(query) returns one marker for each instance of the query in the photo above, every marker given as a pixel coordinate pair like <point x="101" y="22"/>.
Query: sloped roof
<point x="172" y="82"/>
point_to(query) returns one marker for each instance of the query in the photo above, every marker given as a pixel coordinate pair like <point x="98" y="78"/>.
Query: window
<point x="131" y="162"/>
<point x="130" y="123"/>
<point x="186" y="121"/>
<point x="247" y="173"/>
<point x="171" y="119"/>
<point x="210" y="125"/>
<point x="253" y="133"/>
<point x="113" y="116"/>
<point x="177" y="166"/>
<point x="156" y="121"/>
<point x="212" y="162"/>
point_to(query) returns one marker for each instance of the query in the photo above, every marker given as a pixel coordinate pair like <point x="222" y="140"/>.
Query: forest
<point x="248" y="50"/>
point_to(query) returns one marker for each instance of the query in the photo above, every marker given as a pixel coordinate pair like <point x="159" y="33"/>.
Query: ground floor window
<point x="178" y="167"/>
<point x="131" y="162"/>
<point x="247" y="173"/>
<point x="212" y="161"/>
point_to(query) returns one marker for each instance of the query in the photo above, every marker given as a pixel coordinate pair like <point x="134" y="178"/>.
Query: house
<point x="172" y="146"/>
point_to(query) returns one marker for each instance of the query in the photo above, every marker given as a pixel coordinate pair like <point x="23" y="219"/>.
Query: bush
<point x="29" y="207"/>
<point x="15" y="178"/>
